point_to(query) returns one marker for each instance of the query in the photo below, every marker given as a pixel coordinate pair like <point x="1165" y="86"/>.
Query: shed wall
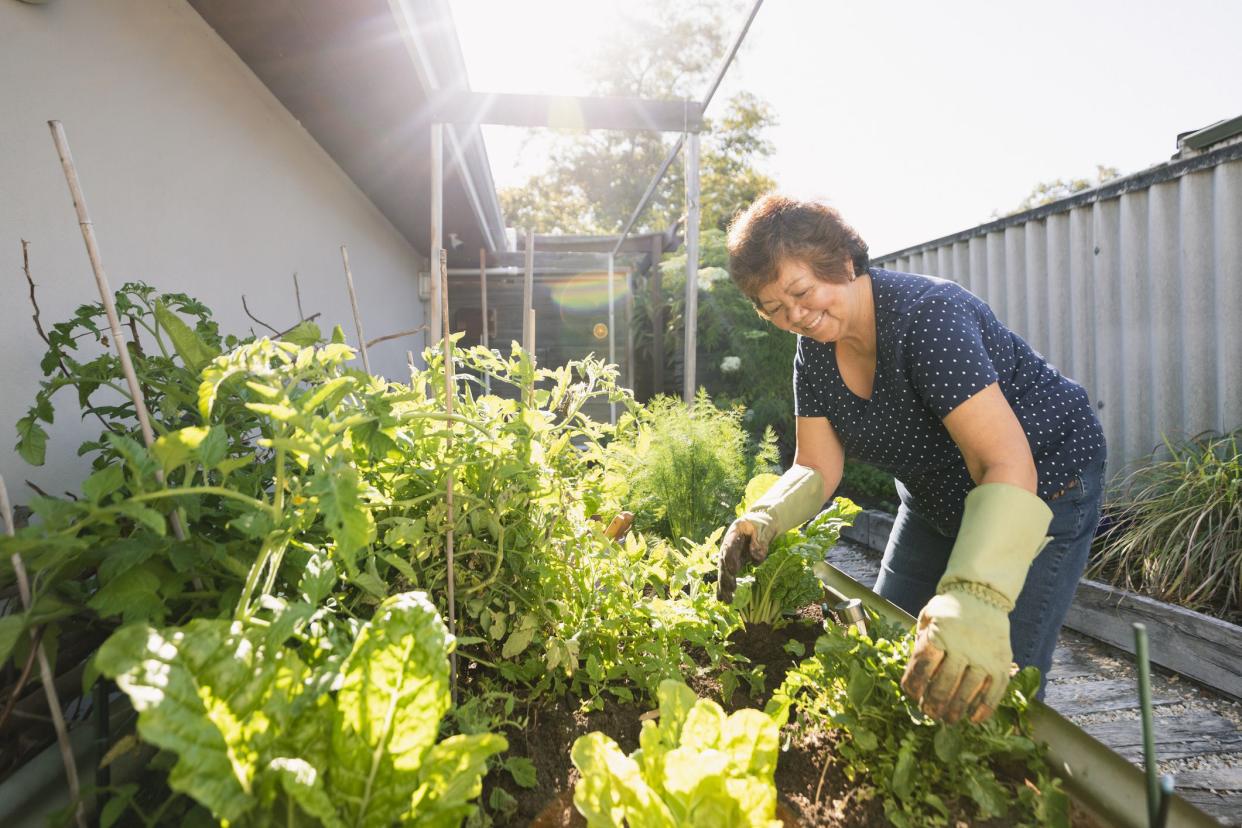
<point x="1138" y="297"/>
<point x="197" y="179"/>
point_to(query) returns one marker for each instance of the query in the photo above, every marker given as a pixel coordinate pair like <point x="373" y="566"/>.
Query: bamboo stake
<point x="353" y="303"/>
<point x="487" y="378"/>
<point x="447" y="353"/>
<point x="105" y="294"/>
<point x="45" y="668"/>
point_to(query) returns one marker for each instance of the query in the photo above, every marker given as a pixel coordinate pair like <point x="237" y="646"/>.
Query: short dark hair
<point x="777" y="228"/>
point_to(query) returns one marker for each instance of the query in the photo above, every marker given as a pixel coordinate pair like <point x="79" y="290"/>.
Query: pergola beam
<point x="569" y="112"/>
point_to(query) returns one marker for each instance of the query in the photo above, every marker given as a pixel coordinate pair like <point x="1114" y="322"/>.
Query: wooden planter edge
<point x="1195" y="645"/>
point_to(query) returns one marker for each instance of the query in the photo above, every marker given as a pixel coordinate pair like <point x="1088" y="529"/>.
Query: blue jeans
<point x="917" y="554"/>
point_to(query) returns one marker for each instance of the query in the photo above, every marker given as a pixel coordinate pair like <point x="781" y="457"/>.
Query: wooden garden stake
<point x="447" y="353"/>
<point x="353" y="303"/>
<point x="487" y="377"/>
<point x="105" y="294"/>
<point x="45" y="668"/>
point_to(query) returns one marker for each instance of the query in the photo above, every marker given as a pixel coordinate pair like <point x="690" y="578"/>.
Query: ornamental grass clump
<point x="1175" y="533"/>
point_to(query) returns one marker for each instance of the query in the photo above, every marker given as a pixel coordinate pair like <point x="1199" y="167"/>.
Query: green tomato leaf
<point x="176" y="448"/>
<point x="31" y="441"/>
<point x="134" y="595"/>
<point x="194" y="352"/>
<point x="11" y="627"/>
<point x="522" y="770"/>
<point x="345" y="513"/>
<point x="142" y="515"/>
<point x="103" y="483"/>
<point x="304" y="334"/>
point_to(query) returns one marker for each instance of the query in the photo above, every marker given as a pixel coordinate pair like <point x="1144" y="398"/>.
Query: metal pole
<point x="737" y="44"/>
<point x="528" y="292"/>
<point x="724" y="66"/>
<point x="692" y="263"/>
<point x="353" y="303"/>
<point x="656" y="287"/>
<point x="651" y="188"/>
<point x="487" y="378"/>
<point x="437" y="226"/>
<point x="612" y="339"/>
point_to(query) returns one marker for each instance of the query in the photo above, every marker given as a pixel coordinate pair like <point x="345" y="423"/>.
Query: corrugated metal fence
<point x="1133" y="289"/>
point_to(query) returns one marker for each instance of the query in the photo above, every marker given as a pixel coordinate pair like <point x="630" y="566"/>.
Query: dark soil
<point x="813" y="788"/>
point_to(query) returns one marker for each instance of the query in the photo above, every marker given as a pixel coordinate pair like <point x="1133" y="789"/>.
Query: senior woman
<point x="998" y="457"/>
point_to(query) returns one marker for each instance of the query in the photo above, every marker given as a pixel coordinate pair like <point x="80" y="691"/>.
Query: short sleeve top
<point x="937" y="345"/>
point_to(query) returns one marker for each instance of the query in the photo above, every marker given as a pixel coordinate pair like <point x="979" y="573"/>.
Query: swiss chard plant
<point x="784" y="581"/>
<point x="923" y="770"/>
<point x="271" y="725"/>
<point x="696" y="767"/>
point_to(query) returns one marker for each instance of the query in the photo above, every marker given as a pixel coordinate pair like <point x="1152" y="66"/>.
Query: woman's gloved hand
<point x="793" y="500"/>
<point x="962" y="658"/>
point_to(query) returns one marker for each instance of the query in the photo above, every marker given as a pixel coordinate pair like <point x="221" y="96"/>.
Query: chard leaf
<point x="205" y="692"/>
<point x="394" y="690"/>
<point x="304" y="785"/>
<point x="451" y="776"/>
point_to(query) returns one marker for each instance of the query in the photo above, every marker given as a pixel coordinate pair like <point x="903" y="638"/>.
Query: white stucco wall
<point x="197" y="180"/>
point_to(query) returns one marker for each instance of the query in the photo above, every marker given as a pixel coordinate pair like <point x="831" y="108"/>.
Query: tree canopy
<point x="594" y="180"/>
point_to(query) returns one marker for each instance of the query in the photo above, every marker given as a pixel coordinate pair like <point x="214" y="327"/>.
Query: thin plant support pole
<point x="692" y="264"/>
<point x="353" y="304"/>
<point x="612" y="339"/>
<point x="1166" y="799"/>
<point x="449" y="384"/>
<point x="483" y="334"/>
<point x="437" y="225"/>
<point x="1149" y="736"/>
<point x="528" y="296"/>
<point x="105" y="294"/>
<point x="45" y="668"/>
<point x="629" y="328"/>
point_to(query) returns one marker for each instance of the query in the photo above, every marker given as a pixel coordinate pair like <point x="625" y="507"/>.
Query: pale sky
<point x="915" y="119"/>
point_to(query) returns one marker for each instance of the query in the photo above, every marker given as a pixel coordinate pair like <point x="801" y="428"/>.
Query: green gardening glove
<point x="962" y="656"/>
<point x="793" y="500"/>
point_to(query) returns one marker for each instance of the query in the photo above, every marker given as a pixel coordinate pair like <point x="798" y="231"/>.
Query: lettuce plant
<point x="696" y="767"/>
<point x="784" y="582"/>
<point x="259" y="733"/>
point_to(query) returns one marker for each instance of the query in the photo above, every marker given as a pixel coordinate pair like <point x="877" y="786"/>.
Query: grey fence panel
<point x="1228" y="221"/>
<point x="1136" y="294"/>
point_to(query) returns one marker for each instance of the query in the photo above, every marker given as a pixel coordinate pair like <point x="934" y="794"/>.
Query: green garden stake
<point x="1149" y="737"/>
<point x="1166" y="798"/>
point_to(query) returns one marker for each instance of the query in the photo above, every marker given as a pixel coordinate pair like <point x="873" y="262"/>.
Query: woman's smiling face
<point x="801" y="302"/>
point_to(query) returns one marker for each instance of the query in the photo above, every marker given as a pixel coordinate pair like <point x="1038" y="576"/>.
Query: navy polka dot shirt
<point x="937" y="345"/>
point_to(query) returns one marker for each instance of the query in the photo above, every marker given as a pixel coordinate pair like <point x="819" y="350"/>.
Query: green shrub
<point x="868" y="485"/>
<point x="1175" y="533"/>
